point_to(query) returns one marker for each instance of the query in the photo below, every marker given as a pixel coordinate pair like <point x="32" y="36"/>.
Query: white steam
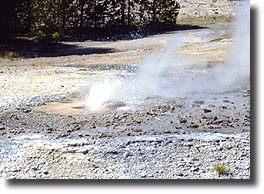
<point x="165" y="75"/>
<point x="151" y="76"/>
<point x="238" y="60"/>
<point x="100" y="93"/>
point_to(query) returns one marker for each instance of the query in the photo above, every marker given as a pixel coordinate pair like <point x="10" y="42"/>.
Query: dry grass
<point x="57" y="72"/>
<point x="9" y="55"/>
<point x="221" y="170"/>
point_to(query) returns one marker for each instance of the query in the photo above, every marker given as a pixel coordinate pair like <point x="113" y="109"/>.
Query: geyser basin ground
<point x="179" y="138"/>
<point x="46" y="131"/>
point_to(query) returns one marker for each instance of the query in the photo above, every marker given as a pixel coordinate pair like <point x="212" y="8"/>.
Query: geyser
<point x="168" y="75"/>
<point x="100" y="93"/>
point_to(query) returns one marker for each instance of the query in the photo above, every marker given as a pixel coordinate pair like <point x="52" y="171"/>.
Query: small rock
<point x="172" y="109"/>
<point x="195" y="169"/>
<point x="114" y="152"/>
<point x="35" y="168"/>
<point x="207" y="110"/>
<point x="49" y="130"/>
<point x="126" y="154"/>
<point x="85" y="151"/>
<point x="150" y="175"/>
<point x="138" y="121"/>
<point x="183" y="120"/>
<point x="194" y="125"/>
<point x="27" y="110"/>
<point x="199" y="101"/>
<point x="97" y="161"/>
<point x="137" y="130"/>
<point x="16" y="170"/>
<point x="180" y="174"/>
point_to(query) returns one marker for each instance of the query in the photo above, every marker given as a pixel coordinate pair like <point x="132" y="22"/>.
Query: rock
<point x="85" y="151"/>
<point x="137" y="130"/>
<point x="113" y="104"/>
<point x="194" y="125"/>
<point x="207" y="110"/>
<point x="127" y="154"/>
<point x="49" y="130"/>
<point x="114" y="152"/>
<point x="167" y="131"/>
<point x="214" y="127"/>
<point x="199" y="101"/>
<point x="183" y="120"/>
<point x="150" y="175"/>
<point x="27" y="110"/>
<point x="195" y="169"/>
<point x="138" y="121"/>
<point x="69" y="130"/>
<point x="70" y="151"/>
<point x="159" y="171"/>
<point x="35" y="168"/>
<point x="180" y="174"/>
<point x="15" y="170"/>
<point x="172" y="109"/>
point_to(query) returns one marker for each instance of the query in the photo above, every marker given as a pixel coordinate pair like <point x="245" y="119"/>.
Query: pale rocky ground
<point x="207" y="8"/>
<point x="45" y="133"/>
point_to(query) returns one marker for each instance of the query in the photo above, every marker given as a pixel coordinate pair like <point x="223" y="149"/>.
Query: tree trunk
<point x="128" y="13"/>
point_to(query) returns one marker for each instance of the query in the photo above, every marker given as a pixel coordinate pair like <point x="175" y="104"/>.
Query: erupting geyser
<point x="164" y="75"/>
<point x="100" y="93"/>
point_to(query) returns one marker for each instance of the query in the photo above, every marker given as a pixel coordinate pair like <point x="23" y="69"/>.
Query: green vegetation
<point x="50" y="20"/>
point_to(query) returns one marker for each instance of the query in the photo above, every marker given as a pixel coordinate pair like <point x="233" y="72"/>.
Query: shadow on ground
<point x="26" y="48"/>
<point x="19" y="47"/>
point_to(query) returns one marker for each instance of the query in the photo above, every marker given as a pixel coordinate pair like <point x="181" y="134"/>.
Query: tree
<point x="47" y="20"/>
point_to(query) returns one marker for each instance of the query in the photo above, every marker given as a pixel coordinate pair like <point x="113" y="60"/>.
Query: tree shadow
<point x="127" y="33"/>
<point x="25" y="48"/>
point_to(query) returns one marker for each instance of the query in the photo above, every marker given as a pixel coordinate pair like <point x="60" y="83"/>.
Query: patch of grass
<point x="229" y="18"/>
<point x="221" y="170"/>
<point x="57" y="71"/>
<point x="35" y="66"/>
<point x="8" y="68"/>
<point x="9" y="55"/>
